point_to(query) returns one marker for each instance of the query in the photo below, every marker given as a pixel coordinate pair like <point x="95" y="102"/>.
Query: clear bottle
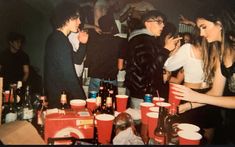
<point x="27" y="106"/>
<point x="160" y="132"/>
<point x="10" y="110"/>
<point x="171" y="121"/>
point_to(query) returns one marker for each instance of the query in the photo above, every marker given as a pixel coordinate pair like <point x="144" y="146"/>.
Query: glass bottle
<point x="171" y="120"/>
<point x="63" y="101"/>
<point x="112" y="93"/>
<point x="19" y="92"/>
<point x="27" y="107"/>
<point x="109" y="106"/>
<point x="98" y="109"/>
<point x="41" y="113"/>
<point x="160" y="132"/>
<point x="10" y="110"/>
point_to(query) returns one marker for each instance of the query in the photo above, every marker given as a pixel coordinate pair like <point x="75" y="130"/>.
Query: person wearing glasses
<point x="59" y="71"/>
<point x="145" y="60"/>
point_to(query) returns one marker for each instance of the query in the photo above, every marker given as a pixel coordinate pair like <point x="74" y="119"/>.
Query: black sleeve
<point x="80" y="54"/>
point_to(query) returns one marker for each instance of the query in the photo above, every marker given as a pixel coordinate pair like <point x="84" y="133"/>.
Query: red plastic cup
<point x="144" y="109"/>
<point x="6" y="95"/>
<point x="189" y="138"/>
<point x="121" y="101"/>
<point x="171" y="96"/>
<point x="104" y="127"/>
<point x="154" y="109"/>
<point x="91" y="104"/>
<point x="158" y="99"/>
<point x="152" y="123"/>
<point x="77" y="104"/>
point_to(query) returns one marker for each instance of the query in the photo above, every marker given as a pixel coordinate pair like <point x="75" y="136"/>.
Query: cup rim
<point x="188" y="127"/>
<point x="152" y="114"/>
<point x="121" y="96"/>
<point x="195" y="135"/>
<point x="91" y="100"/>
<point x="77" y="102"/>
<point x="154" y="109"/>
<point x="159" y="98"/>
<point x="107" y="117"/>
<point x="163" y="104"/>
<point x="147" y="104"/>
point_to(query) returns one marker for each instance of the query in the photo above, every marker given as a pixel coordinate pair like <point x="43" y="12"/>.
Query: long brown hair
<point x="217" y="51"/>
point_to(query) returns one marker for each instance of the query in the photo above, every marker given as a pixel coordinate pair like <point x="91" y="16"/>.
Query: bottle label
<point x="10" y="117"/>
<point x="27" y="113"/>
<point x="63" y="99"/>
<point x="159" y="140"/>
<point x="109" y="102"/>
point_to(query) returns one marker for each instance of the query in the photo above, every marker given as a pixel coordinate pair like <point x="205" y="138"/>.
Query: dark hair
<point x="152" y="14"/>
<point x="169" y="29"/>
<point x="63" y="12"/>
<point x="13" y="36"/>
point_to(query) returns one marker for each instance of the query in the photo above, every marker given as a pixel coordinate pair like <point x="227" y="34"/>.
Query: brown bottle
<point x="160" y="132"/>
<point x="171" y="120"/>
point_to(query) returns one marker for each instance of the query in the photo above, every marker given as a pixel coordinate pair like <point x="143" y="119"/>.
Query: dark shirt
<point x="102" y="56"/>
<point x="144" y="69"/>
<point x="59" y="71"/>
<point x="12" y="66"/>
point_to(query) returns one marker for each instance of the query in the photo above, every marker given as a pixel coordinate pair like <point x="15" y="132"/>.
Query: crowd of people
<point x="153" y="50"/>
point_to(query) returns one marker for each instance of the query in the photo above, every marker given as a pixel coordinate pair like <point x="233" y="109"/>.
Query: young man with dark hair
<point x="59" y="71"/>
<point x="14" y="62"/>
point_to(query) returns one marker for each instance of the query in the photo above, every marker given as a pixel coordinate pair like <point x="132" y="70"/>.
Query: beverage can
<point x="92" y="94"/>
<point x="148" y="98"/>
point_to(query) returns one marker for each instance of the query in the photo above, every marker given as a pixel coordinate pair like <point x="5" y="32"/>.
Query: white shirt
<point x="193" y="68"/>
<point x="73" y="38"/>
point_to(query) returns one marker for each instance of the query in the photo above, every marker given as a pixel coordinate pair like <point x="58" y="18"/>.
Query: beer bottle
<point x="63" y="101"/>
<point x="98" y="109"/>
<point x="27" y="107"/>
<point x="10" y="111"/>
<point x="171" y="120"/>
<point x="160" y="132"/>
<point x="41" y="112"/>
<point x="109" y="106"/>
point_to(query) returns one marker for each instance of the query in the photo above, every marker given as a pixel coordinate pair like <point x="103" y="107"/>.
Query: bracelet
<point x="191" y="106"/>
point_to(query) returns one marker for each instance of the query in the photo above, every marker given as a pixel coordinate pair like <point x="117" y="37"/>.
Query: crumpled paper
<point x="127" y="137"/>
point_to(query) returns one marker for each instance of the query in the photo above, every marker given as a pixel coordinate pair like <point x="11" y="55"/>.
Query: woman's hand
<point x="185" y="93"/>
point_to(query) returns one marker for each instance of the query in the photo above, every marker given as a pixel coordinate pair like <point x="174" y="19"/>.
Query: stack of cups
<point x="158" y="99"/>
<point x="152" y="123"/>
<point x="144" y="109"/>
<point x="172" y="99"/>
<point x="188" y="134"/>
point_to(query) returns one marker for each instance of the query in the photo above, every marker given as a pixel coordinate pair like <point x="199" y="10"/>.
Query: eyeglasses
<point x="159" y="22"/>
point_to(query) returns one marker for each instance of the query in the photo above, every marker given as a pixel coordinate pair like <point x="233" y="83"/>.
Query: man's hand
<point x="83" y="37"/>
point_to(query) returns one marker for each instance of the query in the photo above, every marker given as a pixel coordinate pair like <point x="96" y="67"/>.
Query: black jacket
<point x="145" y="61"/>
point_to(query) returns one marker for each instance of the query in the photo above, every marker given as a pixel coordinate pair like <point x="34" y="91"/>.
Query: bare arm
<point x="26" y="73"/>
